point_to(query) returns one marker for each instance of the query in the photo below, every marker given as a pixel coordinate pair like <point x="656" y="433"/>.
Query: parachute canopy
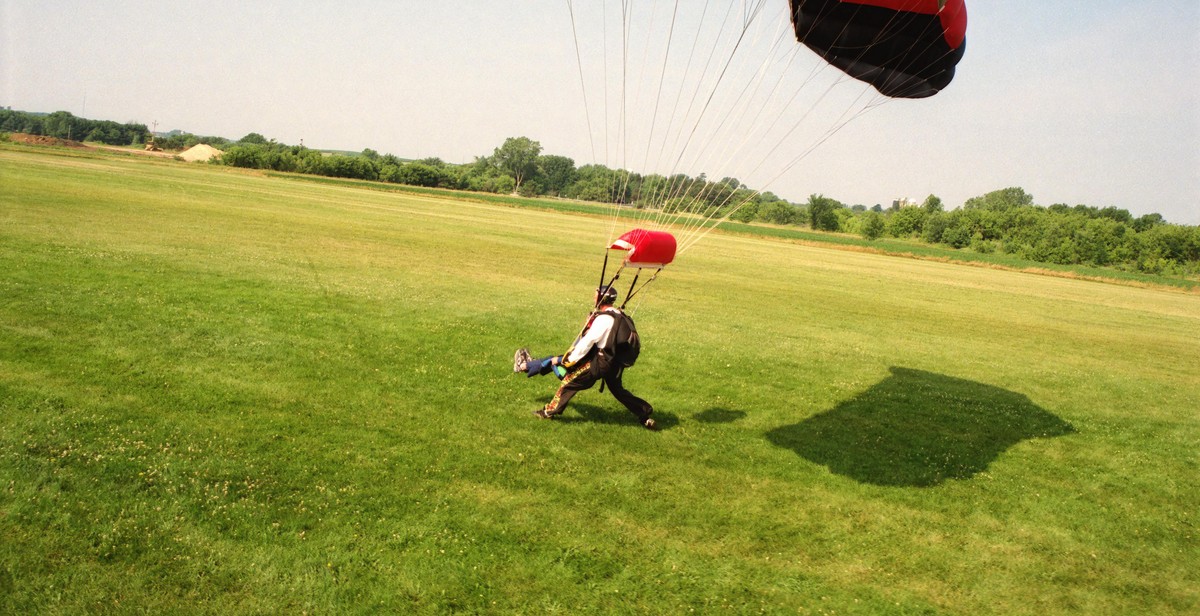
<point x="905" y="48"/>
<point x="647" y="249"/>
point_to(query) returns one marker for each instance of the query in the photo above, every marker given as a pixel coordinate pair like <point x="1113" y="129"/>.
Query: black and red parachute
<point x="905" y="48"/>
<point x="728" y="91"/>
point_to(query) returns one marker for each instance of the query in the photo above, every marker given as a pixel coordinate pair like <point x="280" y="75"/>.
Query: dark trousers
<point x="583" y="377"/>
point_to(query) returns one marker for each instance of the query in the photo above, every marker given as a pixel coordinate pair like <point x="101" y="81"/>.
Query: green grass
<point x="223" y="393"/>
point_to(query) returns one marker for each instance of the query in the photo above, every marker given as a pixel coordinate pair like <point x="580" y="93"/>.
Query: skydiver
<point x="585" y="363"/>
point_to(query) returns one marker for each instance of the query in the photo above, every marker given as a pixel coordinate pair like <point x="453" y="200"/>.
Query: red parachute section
<point x="647" y="249"/>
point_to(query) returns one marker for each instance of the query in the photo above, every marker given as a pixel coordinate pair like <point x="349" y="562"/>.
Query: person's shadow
<point x="917" y="428"/>
<point x="616" y="415"/>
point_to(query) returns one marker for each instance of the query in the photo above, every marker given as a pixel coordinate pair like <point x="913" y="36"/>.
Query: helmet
<point x="606" y="295"/>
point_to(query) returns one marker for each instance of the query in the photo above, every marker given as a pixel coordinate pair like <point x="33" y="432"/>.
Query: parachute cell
<point x="905" y="48"/>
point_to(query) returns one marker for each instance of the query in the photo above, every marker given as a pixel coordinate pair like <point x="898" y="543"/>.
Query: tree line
<point x="518" y="166"/>
<point x="1002" y="221"/>
<point x="64" y="125"/>
<point x="1008" y="221"/>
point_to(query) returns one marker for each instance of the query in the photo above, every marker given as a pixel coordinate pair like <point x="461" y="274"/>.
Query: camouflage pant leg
<point x="577" y="380"/>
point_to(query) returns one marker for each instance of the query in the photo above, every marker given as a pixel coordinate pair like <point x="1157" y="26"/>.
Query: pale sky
<point x="1093" y="102"/>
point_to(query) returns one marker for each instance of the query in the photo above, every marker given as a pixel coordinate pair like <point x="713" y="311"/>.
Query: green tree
<point x="907" y="222"/>
<point x="418" y="174"/>
<point x="778" y="212"/>
<point x="253" y="139"/>
<point x="822" y="212"/>
<point x="518" y="157"/>
<point x="1115" y="213"/>
<point x="1000" y="200"/>
<point x="485" y="176"/>
<point x="557" y="173"/>
<point x="598" y="183"/>
<point x="531" y="188"/>
<point x="958" y="230"/>
<point x="63" y="125"/>
<point x="935" y="225"/>
<point x="248" y="156"/>
<point x="747" y="213"/>
<point x="872" y="225"/>
<point x="1144" y="222"/>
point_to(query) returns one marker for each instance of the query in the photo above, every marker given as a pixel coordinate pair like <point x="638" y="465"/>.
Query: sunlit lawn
<point x="228" y="393"/>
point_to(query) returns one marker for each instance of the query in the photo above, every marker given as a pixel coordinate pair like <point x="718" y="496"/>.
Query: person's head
<point x="606" y="295"/>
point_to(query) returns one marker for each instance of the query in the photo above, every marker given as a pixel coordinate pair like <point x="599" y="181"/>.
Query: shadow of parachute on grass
<point x="718" y="415"/>
<point x="918" y="429"/>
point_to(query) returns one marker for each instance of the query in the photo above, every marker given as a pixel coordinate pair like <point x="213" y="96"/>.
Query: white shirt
<point x="595" y="336"/>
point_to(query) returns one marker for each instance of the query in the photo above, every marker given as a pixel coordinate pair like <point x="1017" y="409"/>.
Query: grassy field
<point x="226" y="393"/>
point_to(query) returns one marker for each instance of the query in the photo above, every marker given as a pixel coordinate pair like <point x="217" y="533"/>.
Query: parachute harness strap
<point x="603" y="271"/>
<point x="631" y="291"/>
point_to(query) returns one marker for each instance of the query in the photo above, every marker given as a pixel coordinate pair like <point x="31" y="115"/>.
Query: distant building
<point x="905" y="202"/>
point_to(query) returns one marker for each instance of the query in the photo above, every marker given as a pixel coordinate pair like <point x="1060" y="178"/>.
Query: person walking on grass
<point x="608" y="345"/>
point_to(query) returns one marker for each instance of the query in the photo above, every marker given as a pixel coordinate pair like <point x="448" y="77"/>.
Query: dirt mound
<point x="43" y="140"/>
<point x="200" y="151"/>
<point x="28" y="139"/>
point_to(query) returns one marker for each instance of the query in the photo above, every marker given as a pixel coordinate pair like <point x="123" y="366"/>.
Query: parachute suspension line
<point x="702" y="202"/>
<point x="678" y="186"/>
<point x="680" y="190"/>
<point x="853" y="111"/>
<point x="608" y="116"/>
<point x="753" y="84"/>
<point x="633" y="292"/>
<point x="676" y="183"/>
<point x="604" y="98"/>
<point x="658" y="100"/>
<point x="660" y="192"/>
<point x="662" y="74"/>
<point x="711" y="94"/>
<point x="622" y="177"/>
<point x="745" y="130"/>
<point x="696" y="95"/>
<point x="751" y="129"/>
<point x="749" y="16"/>
<point x="582" y="83"/>
<point x="843" y="121"/>
<point x="704" y="223"/>
<point x="751" y="111"/>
